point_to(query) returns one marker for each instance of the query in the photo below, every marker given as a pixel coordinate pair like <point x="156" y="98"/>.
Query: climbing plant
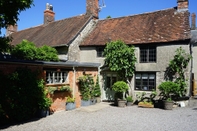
<point x="177" y="66"/>
<point x="120" y="58"/>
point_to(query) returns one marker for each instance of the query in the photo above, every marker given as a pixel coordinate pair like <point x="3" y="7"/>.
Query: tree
<point x="120" y="58"/>
<point x="9" y="11"/>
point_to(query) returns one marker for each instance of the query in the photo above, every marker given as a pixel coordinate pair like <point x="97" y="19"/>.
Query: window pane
<point x="143" y="55"/>
<point x="100" y="51"/>
<point x="144" y="76"/>
<point x="151" y="76"/>
<point x="137" y="76"/>
<point x="152" y="54"/>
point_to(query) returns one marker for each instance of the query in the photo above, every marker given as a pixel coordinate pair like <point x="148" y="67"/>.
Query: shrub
<point x="129" y="99"/>
<point x="70" y="100"/>
<point x="97" y="90"/>
<point x="86" y="85"/>
<point x="25" y="50"/>
<point x="22" y="94"/>
<point x="168" y="89"/>
<point x="120" y="86"/>
<point x="28" y="51"/>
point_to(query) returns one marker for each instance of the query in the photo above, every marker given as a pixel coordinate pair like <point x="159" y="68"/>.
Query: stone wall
<point x="74" y="51"/>
<point x="165" y="52"/>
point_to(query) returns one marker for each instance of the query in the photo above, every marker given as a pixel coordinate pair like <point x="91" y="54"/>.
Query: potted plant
<point x="70" y="103"/>
<point x="86" y="85"/>
<point x="120" y="87"/>
<point x="168" y="89"/>
<point x="146" y="100"/>
<point x="129" y="100"/>
<point x="97" y="91"/>
<point x="44" y="106"/>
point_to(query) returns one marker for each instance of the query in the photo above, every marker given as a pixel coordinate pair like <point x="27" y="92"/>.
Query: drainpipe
<point x="74" y="81"/>
<point x="191" y="81"/>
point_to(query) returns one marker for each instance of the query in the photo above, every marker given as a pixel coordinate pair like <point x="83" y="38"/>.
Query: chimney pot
<point x="49" y="15"/>
<point x="182" y="4"/>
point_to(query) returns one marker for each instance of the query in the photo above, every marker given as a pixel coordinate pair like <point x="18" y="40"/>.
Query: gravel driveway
<point x="113" y="118"/>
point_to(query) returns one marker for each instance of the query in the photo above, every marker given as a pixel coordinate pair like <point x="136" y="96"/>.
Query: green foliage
<point x="120" y="86"/>
<point x="10" y="10"/>
<point x="86" y="84"/>
<point x="51" y="89"/>
<point x="97" y="90"/>
<point x="4" y="44"/>
<point x="129" y="99"/>
<point x="144" y="97"/>
<point x="108" y="17"/>
<point x="120" y="58"/>
<point x="168" y="89"/>
<point x="22" y="94"/>
<point x="28" y="51"/>
<point x="177" y="66"/>
<point x="47" y="53"/>
<point x="25" y="50"/>
<point x="70" y="100"/>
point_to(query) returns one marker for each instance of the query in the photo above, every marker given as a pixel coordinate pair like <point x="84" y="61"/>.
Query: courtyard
<point x="106" y="117"/>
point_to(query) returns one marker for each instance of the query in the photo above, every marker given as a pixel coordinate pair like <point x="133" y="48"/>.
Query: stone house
<point x="155" y="35"/>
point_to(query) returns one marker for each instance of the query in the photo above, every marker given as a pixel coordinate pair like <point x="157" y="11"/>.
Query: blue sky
<point x="115" y="8"/>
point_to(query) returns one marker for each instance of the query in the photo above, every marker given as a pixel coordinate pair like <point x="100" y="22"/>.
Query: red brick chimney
<point x="182" y="4"/>
<point x="193" y="26"/>
<point x="11" y="29"/>
<point x="49" y="15"/>
<point x="92" y="8"/>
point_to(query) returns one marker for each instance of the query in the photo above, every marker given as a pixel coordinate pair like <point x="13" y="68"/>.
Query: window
<point x="147" y="54"/>
<point x="56" y="77"/>
<point x="145" y="81"/>
<point x="100" y="51"/>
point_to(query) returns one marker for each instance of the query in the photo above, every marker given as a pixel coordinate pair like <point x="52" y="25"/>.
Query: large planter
<point x="121" y="103"/>
<point x="129" y="103"/>
<point x="70" y="106"/>
<point x="43" y="113"/>
<point x="85" y="102"/>
<point x="145" y="105"/>
<point x="168" y="105"/>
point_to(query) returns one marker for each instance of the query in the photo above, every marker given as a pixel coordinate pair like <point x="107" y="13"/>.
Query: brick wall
<point x="59" y="98"/>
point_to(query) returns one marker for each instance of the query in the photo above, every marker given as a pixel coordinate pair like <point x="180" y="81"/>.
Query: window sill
<point x="57" y="84"/>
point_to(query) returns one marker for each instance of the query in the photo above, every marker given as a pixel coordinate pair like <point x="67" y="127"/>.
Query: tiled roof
<point x="54" y="34"/>
<point x="159" y="26"/>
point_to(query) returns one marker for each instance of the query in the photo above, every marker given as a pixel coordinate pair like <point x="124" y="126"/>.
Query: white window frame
<point x="56" y="77"/>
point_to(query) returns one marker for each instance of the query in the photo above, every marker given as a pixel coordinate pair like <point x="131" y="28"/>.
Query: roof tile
<point x="160" y="26"/>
